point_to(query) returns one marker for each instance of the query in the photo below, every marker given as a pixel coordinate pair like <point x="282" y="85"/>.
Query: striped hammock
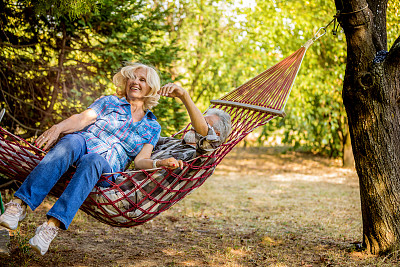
<point x="151" y="192"/>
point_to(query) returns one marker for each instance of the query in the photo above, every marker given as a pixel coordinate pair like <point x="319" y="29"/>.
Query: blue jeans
<point x="70" y="150"/>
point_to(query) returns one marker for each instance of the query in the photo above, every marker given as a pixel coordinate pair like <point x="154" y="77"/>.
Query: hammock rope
<point x="137" y="197"/>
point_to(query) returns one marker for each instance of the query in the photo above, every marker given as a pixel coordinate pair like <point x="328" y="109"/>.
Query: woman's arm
<point x="143" y="160"/>
<point x="196" y="117"/>
<point x="72" y="124"/>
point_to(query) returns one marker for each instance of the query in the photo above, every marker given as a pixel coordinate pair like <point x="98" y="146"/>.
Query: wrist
<point x="184" y="96"/>
<point x="155" y="161"/>
<point x="57" y="128"/>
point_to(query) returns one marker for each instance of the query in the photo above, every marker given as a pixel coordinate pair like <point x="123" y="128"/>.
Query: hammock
<point x="151" y="192"/>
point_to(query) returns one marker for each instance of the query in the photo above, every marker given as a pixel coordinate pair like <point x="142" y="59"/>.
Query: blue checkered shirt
<point x="115" y="136"/>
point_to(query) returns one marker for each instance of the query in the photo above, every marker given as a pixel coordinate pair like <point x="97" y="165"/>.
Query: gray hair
<point x="223" y="125"/>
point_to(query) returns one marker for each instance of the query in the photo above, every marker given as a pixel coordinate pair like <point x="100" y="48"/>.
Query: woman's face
<point x="138" y="87"/>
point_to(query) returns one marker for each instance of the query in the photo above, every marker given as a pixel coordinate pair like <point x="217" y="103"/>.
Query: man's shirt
<point x="115" y="136"/>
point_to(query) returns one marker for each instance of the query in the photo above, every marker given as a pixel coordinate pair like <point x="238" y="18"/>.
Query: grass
<point x="260" y="208"/>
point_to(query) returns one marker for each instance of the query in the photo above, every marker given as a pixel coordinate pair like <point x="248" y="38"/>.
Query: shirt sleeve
<point x="156" y="134"/>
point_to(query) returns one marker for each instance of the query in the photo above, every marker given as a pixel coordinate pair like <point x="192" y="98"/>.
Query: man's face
<point x="211" y="119"/>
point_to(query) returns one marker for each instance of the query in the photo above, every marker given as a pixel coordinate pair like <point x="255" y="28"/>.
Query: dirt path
<point x="260" y="208"/>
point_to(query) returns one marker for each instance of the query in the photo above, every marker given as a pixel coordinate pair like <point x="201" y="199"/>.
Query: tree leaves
<point x="53" y="67"/>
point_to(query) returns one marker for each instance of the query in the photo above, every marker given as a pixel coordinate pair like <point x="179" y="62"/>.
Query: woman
<point x="101" y="139"/>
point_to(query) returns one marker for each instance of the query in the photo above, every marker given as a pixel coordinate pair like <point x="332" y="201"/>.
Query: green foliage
<point x="316" y="117"/>
<point x="53" y="67"/>
<point x="210" y="62"/>
<point x="230" y="42"/>
<point x="393" y="21"/>
<point x="56" y="62"/>
<point x="171" y="115"/>
<point x="71" y="8"/>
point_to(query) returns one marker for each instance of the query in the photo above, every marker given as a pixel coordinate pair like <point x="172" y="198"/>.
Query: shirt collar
<point x="124" y="101"/>
<point x="148" y="114"/>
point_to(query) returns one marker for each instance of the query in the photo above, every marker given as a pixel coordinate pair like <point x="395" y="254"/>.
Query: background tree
<point x="54" y="66"/>
<point x="71" y="8"/>
<point x="371" y="92"/>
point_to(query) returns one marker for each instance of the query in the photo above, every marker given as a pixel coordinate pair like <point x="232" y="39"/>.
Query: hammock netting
<point x="137" y="197"/>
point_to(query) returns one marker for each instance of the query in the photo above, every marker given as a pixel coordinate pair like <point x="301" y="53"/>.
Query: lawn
<point x="262" y="207"/>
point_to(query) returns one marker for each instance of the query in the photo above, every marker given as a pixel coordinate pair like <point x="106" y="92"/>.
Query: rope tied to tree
<point x="321" y="32"/>
<point x="366" y="16"/>
<point x="380" y="56"/>
<point x="353" y="12"/>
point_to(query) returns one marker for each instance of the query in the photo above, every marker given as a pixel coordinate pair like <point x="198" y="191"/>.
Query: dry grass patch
<point x="260" y="208"/>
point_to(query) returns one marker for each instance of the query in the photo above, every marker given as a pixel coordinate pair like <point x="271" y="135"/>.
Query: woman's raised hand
<point x="171" y="163"/>
<point x="172" y="90"/>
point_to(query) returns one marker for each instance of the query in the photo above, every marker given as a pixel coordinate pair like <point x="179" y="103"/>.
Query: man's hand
<point x="172" y="90"/>
<point x="49" y="137"/>
<point x="170" y="163"/>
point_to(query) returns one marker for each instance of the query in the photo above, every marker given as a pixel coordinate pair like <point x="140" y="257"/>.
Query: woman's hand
<point x="170" y="163"/>
<point x="49" y="137"/>
<point x="74" y="123"/>
<point x="172" y="90"/>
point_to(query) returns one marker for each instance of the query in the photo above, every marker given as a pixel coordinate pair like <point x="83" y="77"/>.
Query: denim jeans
<point x="70" y="150"/>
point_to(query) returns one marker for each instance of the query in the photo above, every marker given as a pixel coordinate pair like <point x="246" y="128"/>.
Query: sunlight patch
<point x="268" y="241"/>
<point x="170" y="252"/>
<point x="237" y="252"/>
<point x="288" y="177"/>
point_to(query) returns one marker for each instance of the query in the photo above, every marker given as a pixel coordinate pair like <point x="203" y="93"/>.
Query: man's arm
<point x="143" y="160"/>
<point x="196" y="117"/>
<point x="72" y="124"/>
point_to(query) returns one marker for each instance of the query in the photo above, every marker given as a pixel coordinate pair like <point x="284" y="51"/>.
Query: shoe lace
<point x="13" y="208"/>
<point x="48" y="233"/>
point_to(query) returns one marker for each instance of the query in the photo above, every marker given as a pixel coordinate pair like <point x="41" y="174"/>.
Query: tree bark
<point x="371" y="92"/>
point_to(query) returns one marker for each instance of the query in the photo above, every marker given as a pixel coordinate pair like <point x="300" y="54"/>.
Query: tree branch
<point x="379" y="34"/>
<point x="21" y="124"/>
<point x="396" y="43"/>
<point x="16" y="46"/>
<point x="393" y="58"/>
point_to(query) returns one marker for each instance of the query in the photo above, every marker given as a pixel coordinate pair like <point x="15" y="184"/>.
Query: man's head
<point x="220" y="121"/>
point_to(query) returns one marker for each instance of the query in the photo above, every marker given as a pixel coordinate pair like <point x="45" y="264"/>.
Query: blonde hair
<point x="152" y="79"/>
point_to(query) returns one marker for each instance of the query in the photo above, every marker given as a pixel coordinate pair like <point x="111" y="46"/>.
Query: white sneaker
<point x="43" y="237"/>
<point x="13" y="214"/>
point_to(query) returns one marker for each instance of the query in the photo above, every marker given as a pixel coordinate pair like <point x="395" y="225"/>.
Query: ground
<point x="262" y="207"/>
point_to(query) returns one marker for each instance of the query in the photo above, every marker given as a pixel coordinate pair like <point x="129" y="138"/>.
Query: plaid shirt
<point x="115" y="136"/>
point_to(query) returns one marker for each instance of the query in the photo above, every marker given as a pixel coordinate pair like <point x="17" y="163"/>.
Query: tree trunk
<point x="370" y="93"/>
